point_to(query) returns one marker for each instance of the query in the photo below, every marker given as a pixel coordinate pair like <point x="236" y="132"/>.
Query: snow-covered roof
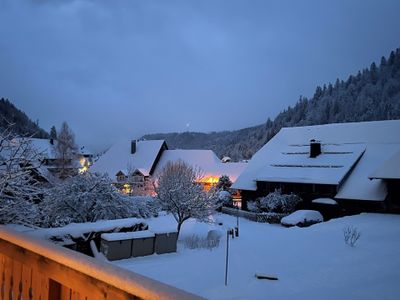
<point x="43" y="146"/>
<point x="358" y="186"/>
<point x="46" y="149"/>
<point x="205" y="160"/>
<point x="294" y="164"/>
<point x="380" y="139"/>
<point x="390" y="169"/>
<point x="119" y="157"/>
<point x="327" y="201"/>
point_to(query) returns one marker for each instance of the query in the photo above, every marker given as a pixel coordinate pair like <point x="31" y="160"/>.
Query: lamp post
<point x="228" y="233"/>
<point x="237" y="220"/>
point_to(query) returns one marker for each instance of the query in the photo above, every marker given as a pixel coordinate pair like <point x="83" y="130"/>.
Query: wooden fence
<point x="36" y="269"/>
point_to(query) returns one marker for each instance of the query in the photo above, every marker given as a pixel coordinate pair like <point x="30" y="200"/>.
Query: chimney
<point x="315" y="148"/>
<point x="133" y="146"/>
<point x="52" y="141"/>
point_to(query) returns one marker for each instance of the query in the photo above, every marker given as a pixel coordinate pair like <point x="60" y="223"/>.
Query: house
<point x="131" y="163"/>
<point x="389" y="172"/>
<point x="134" y="165"/>
<point x="206" y="161"/>
<point x="49" y="163"/>
<point x="347" y="162"/>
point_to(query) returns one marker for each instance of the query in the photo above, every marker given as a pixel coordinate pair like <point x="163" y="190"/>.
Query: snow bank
<point x="302" y="217"/>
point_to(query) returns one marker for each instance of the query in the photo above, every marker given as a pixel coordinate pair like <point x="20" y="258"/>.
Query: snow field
<point x="311" y="263"/>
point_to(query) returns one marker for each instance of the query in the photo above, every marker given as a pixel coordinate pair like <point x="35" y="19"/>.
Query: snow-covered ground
<point x="311" y="263"/>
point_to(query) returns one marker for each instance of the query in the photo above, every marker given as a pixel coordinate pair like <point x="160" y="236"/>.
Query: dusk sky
<point x="115" y="69"/>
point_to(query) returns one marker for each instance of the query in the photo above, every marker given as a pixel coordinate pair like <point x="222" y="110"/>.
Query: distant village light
<point x="84" y="165"/>
<point x="127" y="189"/>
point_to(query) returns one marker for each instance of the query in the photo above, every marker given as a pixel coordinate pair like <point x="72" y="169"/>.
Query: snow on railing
<point x="32" y="268"/>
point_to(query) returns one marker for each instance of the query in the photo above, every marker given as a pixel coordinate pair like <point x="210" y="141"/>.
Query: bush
<point x="351" y="235"/>
<point x="195" y="242"/>
<point x="225" y="199"/>
<point x="253" y="206"/>
<point x="275" y="202"/>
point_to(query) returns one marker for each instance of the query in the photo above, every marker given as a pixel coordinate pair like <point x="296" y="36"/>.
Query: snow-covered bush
<point x="83" y="198"/>
<point x="275" y="202"/>
<point x="279" y="203"/>
<point x="351" y="235"/>
<point x="224" y="183"/>
<point x="224" y="199"/>
<point x="253" y="206"/>
<point x="19" y="188"/>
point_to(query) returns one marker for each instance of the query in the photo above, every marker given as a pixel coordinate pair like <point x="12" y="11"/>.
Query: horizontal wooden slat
<point x="87" y="277"/>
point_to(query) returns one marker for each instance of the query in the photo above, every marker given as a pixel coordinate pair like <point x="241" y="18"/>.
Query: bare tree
<point x="19" y="188"/>
<point x="65" y="148"/>
<point x="180" y="193"/>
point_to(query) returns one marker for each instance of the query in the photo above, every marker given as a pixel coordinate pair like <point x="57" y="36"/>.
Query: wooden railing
<point x="36" y="269"/>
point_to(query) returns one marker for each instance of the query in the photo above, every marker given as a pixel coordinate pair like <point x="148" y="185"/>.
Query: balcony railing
<point x="32" y="268"/>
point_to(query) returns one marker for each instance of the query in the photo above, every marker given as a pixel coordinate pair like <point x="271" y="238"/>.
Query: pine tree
<point x="53" y="133"/>
<point x="65" y="149"/>
<point x="224" y="183"/>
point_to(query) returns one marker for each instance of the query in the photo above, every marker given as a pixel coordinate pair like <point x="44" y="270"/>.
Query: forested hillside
<point x="372" y="94"/>
<point x="22" y="125"/>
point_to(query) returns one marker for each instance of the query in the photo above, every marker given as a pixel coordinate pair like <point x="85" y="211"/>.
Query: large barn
<point x="352" y="163"/>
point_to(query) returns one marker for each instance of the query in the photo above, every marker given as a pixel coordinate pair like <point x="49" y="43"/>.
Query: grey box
<point x="115" y="246"/>
<point x="142" y="243"/>
<point x="165" y="242"/>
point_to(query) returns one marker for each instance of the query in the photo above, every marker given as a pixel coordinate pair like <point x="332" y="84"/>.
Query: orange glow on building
<point x="208" y="182"/>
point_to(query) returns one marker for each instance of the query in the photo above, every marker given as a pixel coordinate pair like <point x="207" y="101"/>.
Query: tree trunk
<point x="179" y="227"/>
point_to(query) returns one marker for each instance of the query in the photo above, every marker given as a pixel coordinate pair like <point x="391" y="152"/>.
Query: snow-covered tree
<point x="65" y="148"/>
<point x="19" y="189"/>
<point x="225" y="199"/>
<point x="83" y="198"/>
<point x="180" y="194"/>
<point x="143" y="206"/>
<point x="224" y="183"/>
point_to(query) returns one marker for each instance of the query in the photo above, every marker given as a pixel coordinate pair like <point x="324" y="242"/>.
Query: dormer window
<point x="121" y="177"/>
